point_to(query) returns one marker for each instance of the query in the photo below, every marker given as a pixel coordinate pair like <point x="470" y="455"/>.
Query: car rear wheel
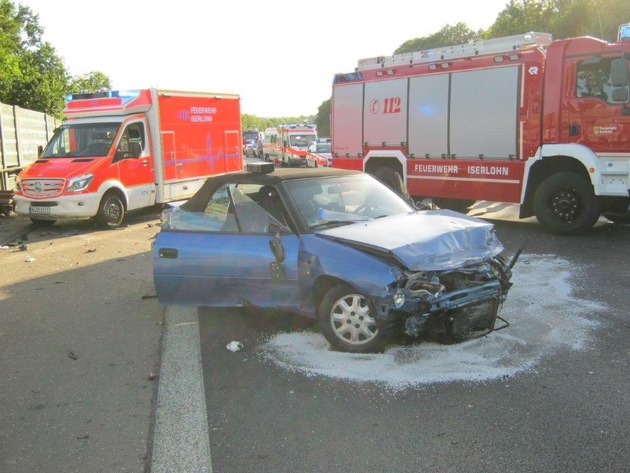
<point x="348" y="322"/>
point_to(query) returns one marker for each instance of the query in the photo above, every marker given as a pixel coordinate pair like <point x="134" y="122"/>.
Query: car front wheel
<point x="347" y="320"/>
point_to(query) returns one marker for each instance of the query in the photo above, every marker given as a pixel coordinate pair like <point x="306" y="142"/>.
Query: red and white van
<point x="124" y="150"/>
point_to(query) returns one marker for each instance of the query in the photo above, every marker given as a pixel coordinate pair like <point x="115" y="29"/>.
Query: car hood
<point x="433" y="240"/>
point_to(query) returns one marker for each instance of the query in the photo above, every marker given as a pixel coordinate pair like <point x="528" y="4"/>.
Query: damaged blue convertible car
<point x="334" y="245"/>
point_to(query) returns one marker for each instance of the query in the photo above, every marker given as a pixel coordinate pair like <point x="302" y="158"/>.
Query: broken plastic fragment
<point x="234" y="346"/>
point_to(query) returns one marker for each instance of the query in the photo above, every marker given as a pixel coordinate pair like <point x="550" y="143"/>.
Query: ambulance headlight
<point x="80" y="183"/>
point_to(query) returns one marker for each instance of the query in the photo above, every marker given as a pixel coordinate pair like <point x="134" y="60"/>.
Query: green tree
<point x="92" y="82"/>
<point x="322" y="119"/>
<point x="521" y="16"/>
<point x="562" y="18"/>
<point x="31" y="74"/>
<point x="598" y="18"/>
<point x="449" y="35"/>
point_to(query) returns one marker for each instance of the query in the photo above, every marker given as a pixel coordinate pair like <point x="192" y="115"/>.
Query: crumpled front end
<point x="445" y="304"/>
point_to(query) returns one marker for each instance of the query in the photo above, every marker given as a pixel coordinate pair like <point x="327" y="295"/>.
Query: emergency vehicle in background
<point x="521" y="119"/>
<point x="251" y="138"/>
<point x="270" y="145"/>
<point x="124" y="150"/>
<point x="293" y="142"/>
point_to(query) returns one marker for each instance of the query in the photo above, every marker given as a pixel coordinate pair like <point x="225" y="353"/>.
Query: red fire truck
<point x="521" y="119"/>
<point x="124" y="150"/>
<point x="294" y="140"/>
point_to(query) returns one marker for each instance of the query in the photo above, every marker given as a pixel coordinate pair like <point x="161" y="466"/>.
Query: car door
<point x="221" y="256"/>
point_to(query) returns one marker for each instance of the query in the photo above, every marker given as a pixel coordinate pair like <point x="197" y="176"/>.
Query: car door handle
<point x="170" y="253"/>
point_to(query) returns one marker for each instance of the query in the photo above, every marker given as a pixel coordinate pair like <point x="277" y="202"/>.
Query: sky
<point x="279" y="57"/>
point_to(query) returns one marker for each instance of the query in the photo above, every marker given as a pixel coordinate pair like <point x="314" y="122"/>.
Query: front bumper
<point x="79" y="207"/>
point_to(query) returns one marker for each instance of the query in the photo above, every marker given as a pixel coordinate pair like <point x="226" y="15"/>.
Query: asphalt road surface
<point x="85" y="370"/>
<point x="548" y="393"/>
<point x="79" y="347"/>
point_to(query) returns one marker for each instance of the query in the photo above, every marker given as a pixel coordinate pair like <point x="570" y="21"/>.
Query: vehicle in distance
<point x="249" y="148"/>
<point x="334" y="245"/>
<point x="319" y="154"/>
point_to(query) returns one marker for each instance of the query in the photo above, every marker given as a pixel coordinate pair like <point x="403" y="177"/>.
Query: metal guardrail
<point x="21" y="132"/>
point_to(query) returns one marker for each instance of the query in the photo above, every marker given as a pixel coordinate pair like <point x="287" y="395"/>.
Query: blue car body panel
<point x="223" y="270"/>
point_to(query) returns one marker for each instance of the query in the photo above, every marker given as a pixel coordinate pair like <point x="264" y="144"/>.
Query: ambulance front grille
<point x="42" y="188"/>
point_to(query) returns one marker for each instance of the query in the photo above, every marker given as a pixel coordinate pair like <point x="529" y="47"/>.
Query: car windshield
<point x="328" y="201"/>
<point x="94" y="139"/>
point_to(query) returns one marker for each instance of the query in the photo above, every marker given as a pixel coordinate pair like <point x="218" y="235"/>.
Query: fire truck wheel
<point x="111" y="211"/>
<point x="565" y="203"/>
<point x="348" y="322"/>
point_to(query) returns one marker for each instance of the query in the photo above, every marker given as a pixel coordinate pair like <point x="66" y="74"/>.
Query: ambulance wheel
<point x="111" y="211"/>
<point x="348" y="321"/>
<point x="565" y="203"/>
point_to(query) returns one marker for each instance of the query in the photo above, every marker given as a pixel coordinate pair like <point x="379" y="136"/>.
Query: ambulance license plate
<point x="39" y="210"/>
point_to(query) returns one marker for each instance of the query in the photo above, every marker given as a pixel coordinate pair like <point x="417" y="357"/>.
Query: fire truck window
<point x="593" y="79"/>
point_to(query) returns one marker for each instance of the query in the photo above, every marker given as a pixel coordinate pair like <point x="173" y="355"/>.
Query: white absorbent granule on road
<point x="544" y="315"/>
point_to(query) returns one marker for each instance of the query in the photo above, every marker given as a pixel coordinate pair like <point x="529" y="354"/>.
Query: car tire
<point x="347" y="320"/>
<point x="565" y="204"/>
<point x="111" y="211"/>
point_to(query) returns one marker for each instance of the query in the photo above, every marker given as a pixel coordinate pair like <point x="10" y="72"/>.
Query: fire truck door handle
<point x="145" y="163"/>
<point x="574" y="129"/>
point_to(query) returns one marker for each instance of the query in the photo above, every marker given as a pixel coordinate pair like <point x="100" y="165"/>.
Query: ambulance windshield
<point x="302" y="140"/>
<point x="81" y="140"/>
